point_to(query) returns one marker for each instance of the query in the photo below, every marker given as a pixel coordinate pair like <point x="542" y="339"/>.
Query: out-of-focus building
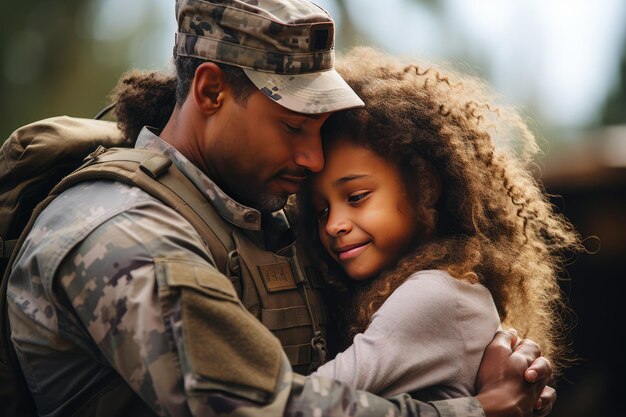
<point x="588" y="182"/>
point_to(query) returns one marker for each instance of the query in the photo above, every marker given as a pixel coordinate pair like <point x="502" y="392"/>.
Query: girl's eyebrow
<point x="348" y="178"/>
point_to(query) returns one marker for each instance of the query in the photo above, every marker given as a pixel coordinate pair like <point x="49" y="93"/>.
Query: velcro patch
<point x="277" y="276"/>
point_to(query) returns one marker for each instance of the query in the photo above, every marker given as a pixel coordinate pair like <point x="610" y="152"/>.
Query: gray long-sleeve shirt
<point x="430" y="333"/>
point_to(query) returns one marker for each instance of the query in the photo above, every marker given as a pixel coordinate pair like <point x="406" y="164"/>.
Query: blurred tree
<point x="41" y="55"/>
<point x="54" y="59"/>
<point x="614" y="110"/>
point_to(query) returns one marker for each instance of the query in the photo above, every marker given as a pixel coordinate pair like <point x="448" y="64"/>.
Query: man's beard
<point x="268" y="203"/>
<point x="261" y="200"/>
<point x="265" y="202"/>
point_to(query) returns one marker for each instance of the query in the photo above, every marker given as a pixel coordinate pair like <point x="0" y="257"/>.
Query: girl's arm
<point x="432" y="330"/>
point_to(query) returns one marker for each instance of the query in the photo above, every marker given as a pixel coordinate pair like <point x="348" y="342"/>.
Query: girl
<point x="431" y="232"/>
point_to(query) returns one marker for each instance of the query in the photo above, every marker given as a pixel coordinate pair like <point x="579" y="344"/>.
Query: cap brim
<point x="314" y="93"/>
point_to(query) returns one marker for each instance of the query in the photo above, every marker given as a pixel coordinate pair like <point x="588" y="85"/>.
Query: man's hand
<point x="512" y="378"/>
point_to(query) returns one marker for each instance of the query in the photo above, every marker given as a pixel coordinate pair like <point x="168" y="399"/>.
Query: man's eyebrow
<point x="348" y="178"/>
<point x="314" y="116"/>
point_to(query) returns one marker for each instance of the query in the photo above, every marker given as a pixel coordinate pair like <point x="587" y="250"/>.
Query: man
<point x="114" y="289"/>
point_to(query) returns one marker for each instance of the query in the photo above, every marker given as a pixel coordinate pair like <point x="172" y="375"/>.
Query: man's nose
<point x="310" y="154"/>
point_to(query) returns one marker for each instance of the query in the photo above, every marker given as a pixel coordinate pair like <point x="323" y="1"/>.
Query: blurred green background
<point x="562" y="61"/>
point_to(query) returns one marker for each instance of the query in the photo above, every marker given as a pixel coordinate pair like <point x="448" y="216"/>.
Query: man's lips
<point x="294" y="178"/>
<point x="291" y="183"/>
<point x="346" y="252"/>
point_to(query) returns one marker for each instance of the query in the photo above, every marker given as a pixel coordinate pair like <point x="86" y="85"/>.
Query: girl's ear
<point x="208" y="87"/>
<point x="432" y="185"/>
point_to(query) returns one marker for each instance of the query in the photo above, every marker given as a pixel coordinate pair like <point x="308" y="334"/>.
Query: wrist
<point x="462" y="406"/>
<point x="495" y="404"/>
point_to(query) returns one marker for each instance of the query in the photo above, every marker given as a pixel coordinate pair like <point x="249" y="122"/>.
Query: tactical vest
<point x="281" y="289"/>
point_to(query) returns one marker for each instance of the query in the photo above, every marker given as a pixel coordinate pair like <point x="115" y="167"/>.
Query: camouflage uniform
<point x="99" y="288"/>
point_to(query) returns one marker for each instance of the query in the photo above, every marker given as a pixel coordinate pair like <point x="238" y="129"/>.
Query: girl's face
<point x="366" y="220"/>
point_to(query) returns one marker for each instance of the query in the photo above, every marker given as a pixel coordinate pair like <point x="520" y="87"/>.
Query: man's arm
<point x="172" y="327"/>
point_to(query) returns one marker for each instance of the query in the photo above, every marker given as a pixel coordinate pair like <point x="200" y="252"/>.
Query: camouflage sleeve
<point x="158" y="312"/>
<point x="319" y="396"/>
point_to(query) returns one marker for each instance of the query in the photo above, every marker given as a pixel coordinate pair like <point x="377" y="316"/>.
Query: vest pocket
<point x="222" y="346"/>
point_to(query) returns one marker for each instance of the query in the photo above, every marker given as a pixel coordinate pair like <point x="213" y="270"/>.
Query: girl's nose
<point x="337" y="227"/>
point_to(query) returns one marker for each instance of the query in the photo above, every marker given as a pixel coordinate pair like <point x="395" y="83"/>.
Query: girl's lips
<point x="352" y="251"/>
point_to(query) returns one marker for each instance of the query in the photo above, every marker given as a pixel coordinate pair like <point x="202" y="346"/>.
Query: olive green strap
<point x="6" y="247"/>
<point x="285" y="318"/>
<point x="318" y="343"/>
<point x="202" y="208"/>
<point x="298" y="354"/>
<point x="167" y="184"/>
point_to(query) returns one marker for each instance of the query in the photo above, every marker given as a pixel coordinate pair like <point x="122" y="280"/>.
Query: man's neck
<point x="171" y="131"/>
<point x="179" y="132"/>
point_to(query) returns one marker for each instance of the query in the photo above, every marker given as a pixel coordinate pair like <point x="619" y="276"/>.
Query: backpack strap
<point x="6" y="247"/>
<point x="155" y="174"/>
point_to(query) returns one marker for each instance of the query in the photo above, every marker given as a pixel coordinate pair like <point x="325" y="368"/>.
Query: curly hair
<point x="147" y="98"/>
<point x="492" y="223"/>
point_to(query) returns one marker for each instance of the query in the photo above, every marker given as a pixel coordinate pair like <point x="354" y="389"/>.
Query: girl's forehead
<point x="345" y="155"/>
<point x="347" y="162"/>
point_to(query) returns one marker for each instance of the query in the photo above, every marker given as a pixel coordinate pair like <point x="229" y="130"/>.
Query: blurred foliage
<point x="614" y="110"/>
<point x="52" y="64"/>
<point x="48" y="66"/>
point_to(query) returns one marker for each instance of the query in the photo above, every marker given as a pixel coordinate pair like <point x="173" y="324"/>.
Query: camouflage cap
<point x="286" y="48"/>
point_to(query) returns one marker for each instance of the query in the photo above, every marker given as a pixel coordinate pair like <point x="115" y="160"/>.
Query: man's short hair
<point x="234" y="76"/>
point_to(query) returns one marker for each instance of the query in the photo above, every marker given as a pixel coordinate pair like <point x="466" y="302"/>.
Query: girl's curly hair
<point x="493" y="222"/>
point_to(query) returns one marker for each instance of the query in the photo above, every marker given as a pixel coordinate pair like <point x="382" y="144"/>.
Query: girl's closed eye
<point x="359" y="196"/>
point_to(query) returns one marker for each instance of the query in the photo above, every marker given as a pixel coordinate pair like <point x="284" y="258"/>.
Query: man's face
<point x="261" y="152"/>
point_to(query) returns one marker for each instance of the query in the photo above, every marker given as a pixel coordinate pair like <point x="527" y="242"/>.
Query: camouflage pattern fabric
<point x="236" y="213"/>
<point x="294" y="37"/>
<point x="110" y="280"/>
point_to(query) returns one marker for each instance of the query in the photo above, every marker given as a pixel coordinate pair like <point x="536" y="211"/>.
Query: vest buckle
<point x="233" y="270"/>
<point x="318" y="353"/>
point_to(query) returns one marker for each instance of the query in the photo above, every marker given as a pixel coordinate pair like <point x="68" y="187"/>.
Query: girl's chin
<point x="360" y="275"/>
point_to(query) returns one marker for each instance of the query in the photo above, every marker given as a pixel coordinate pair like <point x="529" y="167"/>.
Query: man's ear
<point x="208" y="87"/>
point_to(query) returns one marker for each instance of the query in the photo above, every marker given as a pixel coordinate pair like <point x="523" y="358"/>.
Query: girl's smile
<point x="351" y="251"/>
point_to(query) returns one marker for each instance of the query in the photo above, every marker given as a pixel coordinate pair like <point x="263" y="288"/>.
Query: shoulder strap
<point x="155" y="174"/>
